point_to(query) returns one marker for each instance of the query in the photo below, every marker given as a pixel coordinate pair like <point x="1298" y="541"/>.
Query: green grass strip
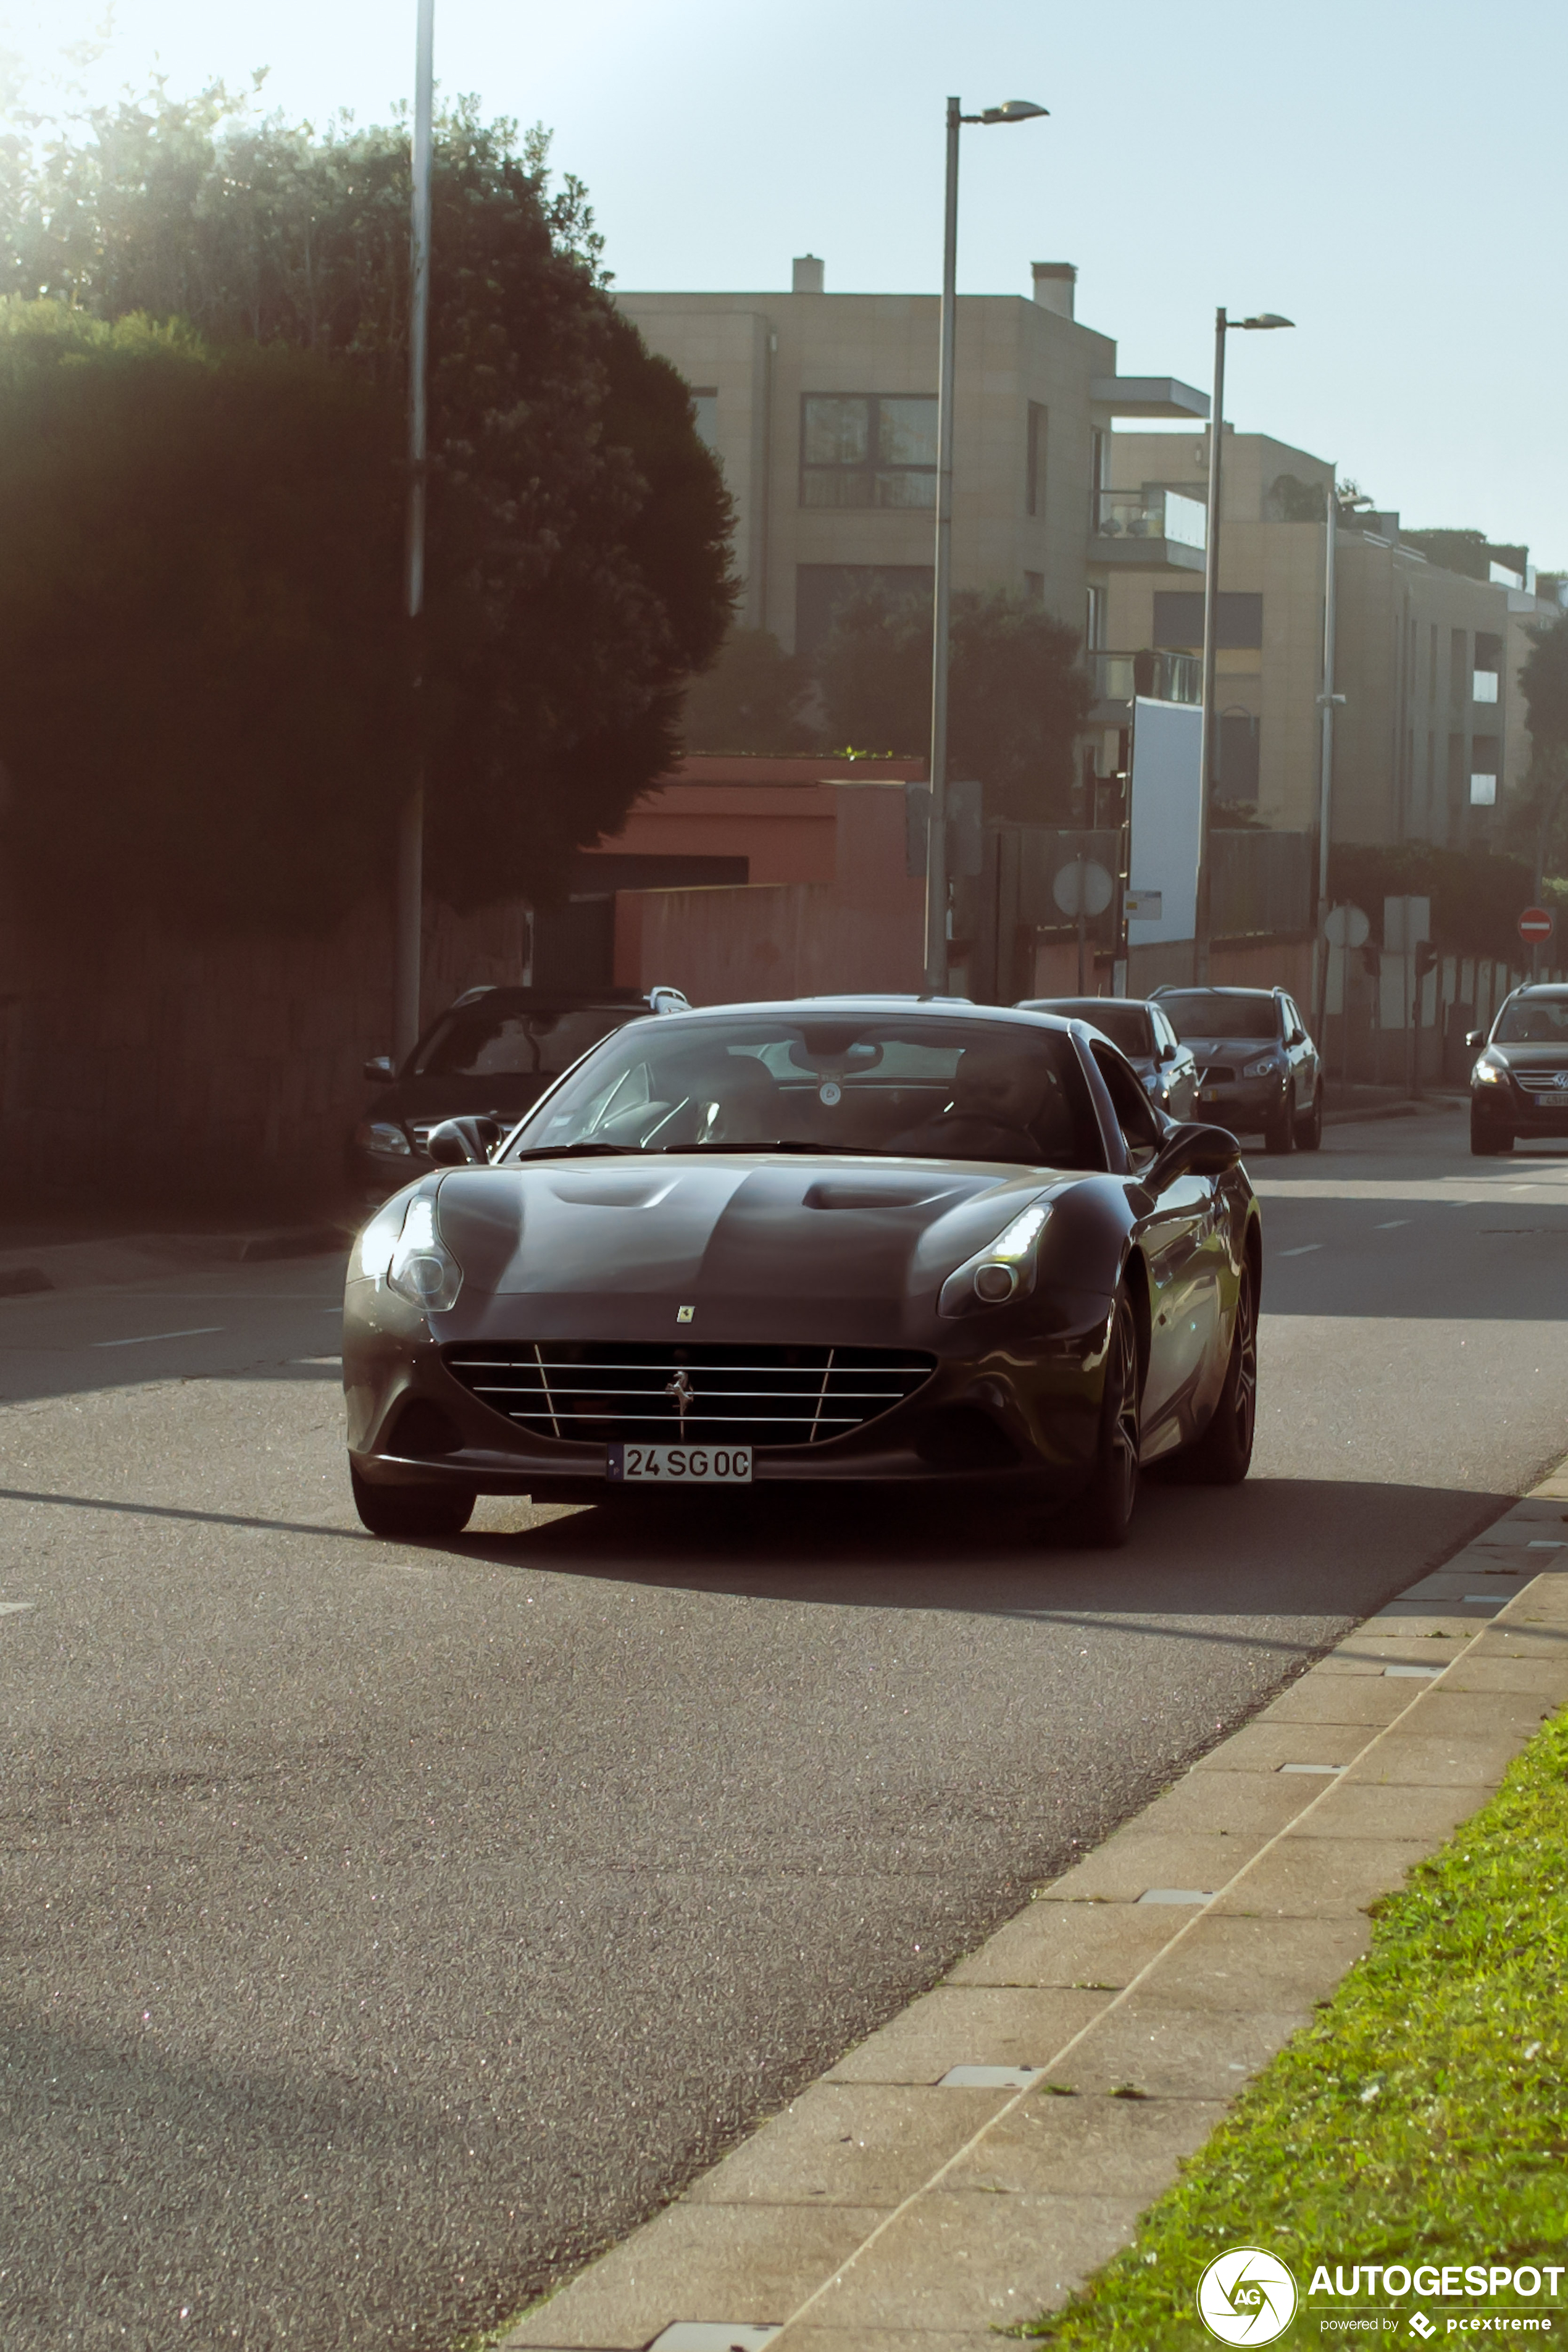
<point x="1421" y="2118"/>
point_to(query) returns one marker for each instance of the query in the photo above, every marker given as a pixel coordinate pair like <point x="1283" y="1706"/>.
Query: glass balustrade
<point x="1152" y="514"/>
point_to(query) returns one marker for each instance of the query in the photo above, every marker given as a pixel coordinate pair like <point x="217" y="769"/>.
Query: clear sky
<point x="1386" y="172"/>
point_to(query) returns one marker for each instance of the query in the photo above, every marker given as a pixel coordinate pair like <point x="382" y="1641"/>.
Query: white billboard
<point x="1164" y="797"/>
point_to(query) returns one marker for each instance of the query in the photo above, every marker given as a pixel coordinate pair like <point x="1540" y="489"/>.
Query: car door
<point x="1175" y="1231"/>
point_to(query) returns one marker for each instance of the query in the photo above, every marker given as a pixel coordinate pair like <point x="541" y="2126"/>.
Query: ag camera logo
<point x="1247" y="2297"/>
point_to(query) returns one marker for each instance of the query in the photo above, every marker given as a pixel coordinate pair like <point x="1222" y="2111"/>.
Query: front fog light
<point x="1000" y="1272"/>
<point x="423" y="1268"/>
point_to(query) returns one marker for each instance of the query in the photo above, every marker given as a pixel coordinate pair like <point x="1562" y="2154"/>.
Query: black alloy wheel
<point x="1104" y="1510"/>
<point x="1310" y="1128"/>
<point x="1223" y="1455"/>
<point x="412" y="1512"/>
<point x="1279" y="1128"/>
<point x="1489" y="1137"/>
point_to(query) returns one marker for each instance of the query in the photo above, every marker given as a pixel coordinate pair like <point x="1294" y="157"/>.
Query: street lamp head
<point x="1264" y="319"/>
<point x="1016" y="109"/>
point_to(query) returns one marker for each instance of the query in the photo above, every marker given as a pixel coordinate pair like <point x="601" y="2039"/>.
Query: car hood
<point x="1532" y="1057"/>
<point x="800" y="1234"/>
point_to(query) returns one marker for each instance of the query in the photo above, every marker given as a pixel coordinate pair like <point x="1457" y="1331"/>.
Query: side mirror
<point x="380" y="1070"/>
<point x="1475" y="1036"/>
<point x="1167" y="1053"/>
<point x="1191" y="1149"/>
<point x="462" y="1142"/>
<point x="1298" y="1037"/>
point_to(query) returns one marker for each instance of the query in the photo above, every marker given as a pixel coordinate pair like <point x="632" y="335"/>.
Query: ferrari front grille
<point x="633" y="1392"/>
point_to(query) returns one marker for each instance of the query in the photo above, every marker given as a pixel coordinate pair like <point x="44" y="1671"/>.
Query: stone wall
<point x="140" y="1070"/>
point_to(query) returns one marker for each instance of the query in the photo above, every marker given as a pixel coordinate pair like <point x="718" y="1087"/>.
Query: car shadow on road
<point x="1277" y="1548"/>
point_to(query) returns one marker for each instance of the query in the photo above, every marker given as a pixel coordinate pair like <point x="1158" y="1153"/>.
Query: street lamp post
<point x="409" y="905"/>
<point x="1016" y="109"/>
<point x="1209" y="751"/>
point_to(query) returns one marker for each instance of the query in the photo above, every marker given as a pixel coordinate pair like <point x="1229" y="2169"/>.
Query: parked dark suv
<point x="1257" y="1070"/>
<point x="1518" y="1086"/>
<point x="489" y="1057"/>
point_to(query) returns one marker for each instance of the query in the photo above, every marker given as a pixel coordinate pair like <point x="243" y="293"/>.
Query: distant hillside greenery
<point x="235" y="642"/>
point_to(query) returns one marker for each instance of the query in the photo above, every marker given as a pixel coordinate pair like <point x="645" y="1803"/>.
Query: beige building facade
<point x="823" y="410"/>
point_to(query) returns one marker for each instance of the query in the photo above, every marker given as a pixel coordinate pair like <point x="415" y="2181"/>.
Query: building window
<point x="1486" y="766"/>
<point x="1484" y="686"/>
<point x="1238" y="757"/>
<point x="1483" y="791"/>
<point x="822" y="588"/>
<point x="1178" y="620"/>
<point x="705" y="403"/>
<point x="868" y="450"/>
<point x="1034" y="587"/>
<point x="1095" y="620"/>
<point x="1096" y="477"/>
<point x="1034" y="477"/>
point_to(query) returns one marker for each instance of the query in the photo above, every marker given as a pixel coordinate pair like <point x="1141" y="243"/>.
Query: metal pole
<point x="410" y="899"/>
<point x="1325" y="771"/>
<point x="936" y="817"/>
<point x="1208" y="750"/>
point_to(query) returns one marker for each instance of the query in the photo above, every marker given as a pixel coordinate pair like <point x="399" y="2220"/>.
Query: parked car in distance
<point x="1259" y="1071"/>
<point x="487" y="1058"/>
<point x="1166" y="1066"/>
<point x="1518" y="1086"/>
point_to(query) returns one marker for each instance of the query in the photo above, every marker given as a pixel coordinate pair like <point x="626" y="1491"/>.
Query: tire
<point x="412" y="1512"/>
<point x="1223" y="1455"/>
<point x="1279" y="1132"/>
<point x="1310" y="1129"/>
<point x="1104" y="1512"/>
<point x="1488" y="1140"/>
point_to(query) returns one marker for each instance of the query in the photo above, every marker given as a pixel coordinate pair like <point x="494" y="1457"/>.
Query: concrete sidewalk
<point x="973" y="2161"/>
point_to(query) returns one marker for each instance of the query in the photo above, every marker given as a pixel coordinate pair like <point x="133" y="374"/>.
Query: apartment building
<point x="1431" y="740"/>
<point x="822" y="409"/>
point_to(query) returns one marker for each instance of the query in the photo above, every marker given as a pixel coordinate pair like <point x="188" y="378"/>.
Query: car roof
<point x="1091" y="1005"/>
<point x="803" y="1008"/>
<point x="1207" y="988"/>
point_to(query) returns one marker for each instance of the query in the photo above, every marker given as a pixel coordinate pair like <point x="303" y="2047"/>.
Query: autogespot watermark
<point x="1249" y="2295"/>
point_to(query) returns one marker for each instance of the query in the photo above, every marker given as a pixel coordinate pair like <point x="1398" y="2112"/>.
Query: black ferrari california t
<point x="840" y="1240"/>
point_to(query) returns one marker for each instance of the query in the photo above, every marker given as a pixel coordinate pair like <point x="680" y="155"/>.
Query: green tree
<point x="203" y="679"/>
<point x="753" y="699"/>
<point x="578" y="571"/>
<point x="1018" y="697"/>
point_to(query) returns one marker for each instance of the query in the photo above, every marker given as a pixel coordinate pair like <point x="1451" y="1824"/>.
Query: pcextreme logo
<point x="1247" y="2297"/>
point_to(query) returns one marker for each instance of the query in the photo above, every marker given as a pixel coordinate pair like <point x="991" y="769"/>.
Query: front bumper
<point x="1007" y="1403"/>
<point x="1510" y="1106"/>
<point x="1248" y="1103"/>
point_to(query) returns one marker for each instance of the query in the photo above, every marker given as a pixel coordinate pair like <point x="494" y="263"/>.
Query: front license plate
<point x="1551" y="1102"/>
<point x="681" y="1465"/>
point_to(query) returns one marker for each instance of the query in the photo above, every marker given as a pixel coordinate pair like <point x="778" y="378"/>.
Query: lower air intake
<point x="606" y="1393"/>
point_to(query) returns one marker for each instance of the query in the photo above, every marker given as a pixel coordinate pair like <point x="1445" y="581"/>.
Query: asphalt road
<point x="387" y="1928"/>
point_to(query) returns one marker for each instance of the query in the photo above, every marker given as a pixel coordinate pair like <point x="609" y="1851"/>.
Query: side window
<point x="1140" y="1130"/>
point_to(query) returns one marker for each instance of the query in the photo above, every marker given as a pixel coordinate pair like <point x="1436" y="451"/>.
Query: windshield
<point x="1533" y="1021"/>
<point x="1125" y="1024"/>
<point x="918" y="1087"/>
<point x="1205" y="1012"/>
<point x="488" y="1040"/>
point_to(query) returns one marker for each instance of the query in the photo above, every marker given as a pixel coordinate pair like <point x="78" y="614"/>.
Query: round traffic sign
<point x="1535" y="926"/>
<point x="1083" y="886"/>
<point x="1345" y="925"/>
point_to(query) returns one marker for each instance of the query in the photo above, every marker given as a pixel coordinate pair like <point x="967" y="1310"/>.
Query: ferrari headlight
<point x="1003" y="1270"/>
<point x="1266" y="1067"/>
<point x="1490" y="1074"/>
<point x="373" y="1251"/>
<point x="423" y="1268"/>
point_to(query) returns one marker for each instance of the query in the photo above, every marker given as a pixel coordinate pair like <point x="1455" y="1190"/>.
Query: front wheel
<point x="1280" y="1130"/>
<point x="412" y="1512"/>
<point x="1223" y="1455"/>
<point x="1487" y="1138"/>
<point x="1310" y="1128"/>
<point x="1104" y="1510"/>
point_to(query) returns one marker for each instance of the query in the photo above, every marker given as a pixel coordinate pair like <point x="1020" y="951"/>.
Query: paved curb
<point x="937" y="2183"/>
<point x="136" y="1257"/>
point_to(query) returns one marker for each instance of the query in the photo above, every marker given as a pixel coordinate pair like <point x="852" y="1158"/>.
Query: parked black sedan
<point x="1518" y="1086"/>
<point x="1166" y="1068"/>
<point x="838" y="1241"/>
<point x="489" y="1057"/>
<point x="1258" y="1068"/>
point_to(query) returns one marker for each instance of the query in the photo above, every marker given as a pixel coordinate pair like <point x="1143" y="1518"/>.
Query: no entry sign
<point x="1535" y="926"/>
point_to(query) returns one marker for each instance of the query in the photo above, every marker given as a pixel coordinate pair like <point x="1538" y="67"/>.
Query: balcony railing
<point x="1164" y="678"/>
<point x="1157" y="514"/>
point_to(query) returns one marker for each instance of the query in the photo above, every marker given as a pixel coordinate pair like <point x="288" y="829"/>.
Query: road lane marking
<point x="1305" y="1250"/>
<point x="1392" y="1227"/>
<point x="146" y="1338"/>
<point x="9" y="1608"/>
